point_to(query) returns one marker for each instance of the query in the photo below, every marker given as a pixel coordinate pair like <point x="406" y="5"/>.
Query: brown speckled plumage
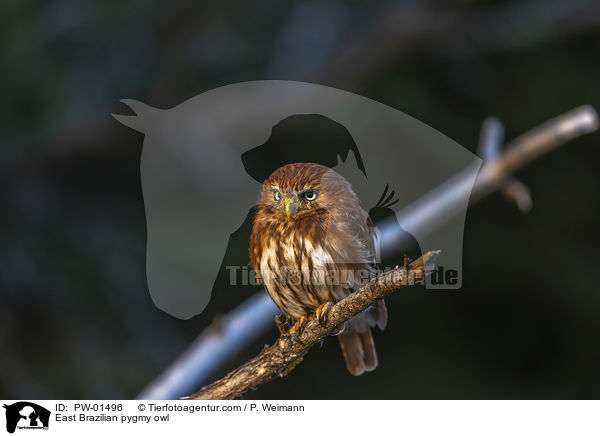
<point x="297" y="244"/>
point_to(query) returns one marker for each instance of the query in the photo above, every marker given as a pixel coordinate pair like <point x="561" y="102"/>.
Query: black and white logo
<point x="26" y="415"/>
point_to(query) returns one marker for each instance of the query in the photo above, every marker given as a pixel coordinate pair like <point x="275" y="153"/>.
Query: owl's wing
<point x="366" y="237"/>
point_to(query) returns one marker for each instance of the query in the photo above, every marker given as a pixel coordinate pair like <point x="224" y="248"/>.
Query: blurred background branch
<point x="490" y="146"/>
<point x="216" y="345"/>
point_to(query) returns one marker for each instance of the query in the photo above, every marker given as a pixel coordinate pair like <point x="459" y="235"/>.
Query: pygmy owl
<point x="312" y="245"/>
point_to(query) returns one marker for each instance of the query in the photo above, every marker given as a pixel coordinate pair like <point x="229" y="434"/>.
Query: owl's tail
<point x="356" y="340"/>
<point x="359" y="351"/>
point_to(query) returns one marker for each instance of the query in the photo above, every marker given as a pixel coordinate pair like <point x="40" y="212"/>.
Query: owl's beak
<point x="291" y="207"/>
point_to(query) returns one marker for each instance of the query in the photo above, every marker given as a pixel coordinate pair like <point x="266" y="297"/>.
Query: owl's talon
<point x="296" y="338"/>
<point x="338" y="330"/>
<point x="322" y="313"/>
<point x="297" y="329"/>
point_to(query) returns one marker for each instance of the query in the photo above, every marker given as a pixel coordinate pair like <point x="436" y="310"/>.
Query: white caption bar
<point x="24" y="417"/>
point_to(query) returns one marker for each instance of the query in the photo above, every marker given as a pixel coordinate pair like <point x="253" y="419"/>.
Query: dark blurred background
<point x="525" y="324"/>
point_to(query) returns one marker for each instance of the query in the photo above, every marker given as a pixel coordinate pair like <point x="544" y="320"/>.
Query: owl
<point x="312" y="245"/>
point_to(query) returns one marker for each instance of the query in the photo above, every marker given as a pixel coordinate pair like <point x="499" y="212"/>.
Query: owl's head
<point x="302" y="189"/>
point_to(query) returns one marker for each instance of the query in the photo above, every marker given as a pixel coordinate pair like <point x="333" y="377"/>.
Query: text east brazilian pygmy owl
<point x="311" y="245"/>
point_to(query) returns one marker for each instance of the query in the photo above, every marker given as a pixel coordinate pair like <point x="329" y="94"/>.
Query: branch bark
<point x="281" y="357"/>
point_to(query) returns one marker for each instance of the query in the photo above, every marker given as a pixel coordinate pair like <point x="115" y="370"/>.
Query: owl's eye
<point x="310" y="195"/>
<point x="277" y="196"/>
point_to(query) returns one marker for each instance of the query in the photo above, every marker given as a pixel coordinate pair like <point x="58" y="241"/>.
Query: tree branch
<point x="281" y="357"/>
